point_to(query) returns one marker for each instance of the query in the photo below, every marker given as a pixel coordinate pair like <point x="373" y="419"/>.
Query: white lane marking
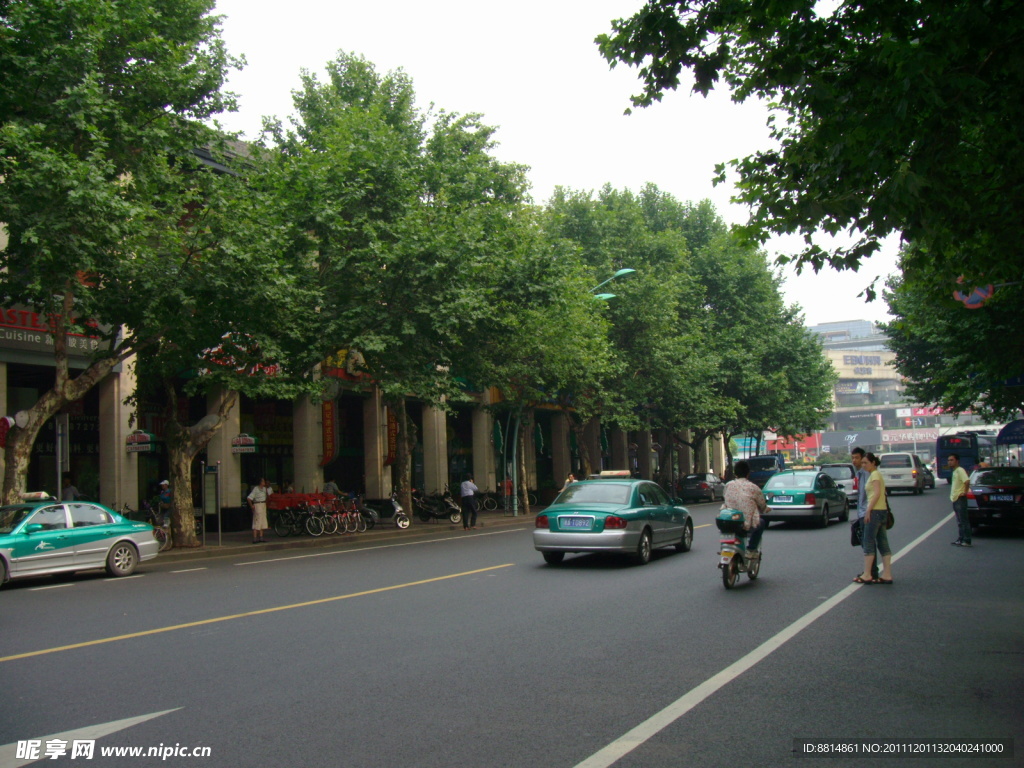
<point x="126" y="578"/>
<point x="8" y="752"/>
<point x="379" y="546"/>
<point x="660" y="720"/>
<point x="189" y="570"/>
<point x="52" y="586"/>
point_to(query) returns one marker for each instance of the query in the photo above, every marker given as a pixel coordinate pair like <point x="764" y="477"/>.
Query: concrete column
<point x="483" y="449"/>
<point x="375" y="447"/>
<point x="717" y="451"/>
<point x="308" y="445"/>
<point x="643" y="453"/>
<point x="219" y="450"/>
<point x="119" y="470"/>
<point x="620" y="448"/>
<point x="435" y="449"/>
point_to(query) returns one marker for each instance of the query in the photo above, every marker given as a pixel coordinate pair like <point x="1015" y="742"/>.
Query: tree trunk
<point x="578" y="427"/>
<point x="183" y="445"/>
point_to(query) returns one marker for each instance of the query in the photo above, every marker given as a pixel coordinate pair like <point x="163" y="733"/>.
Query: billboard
<point x="840" y="442"/>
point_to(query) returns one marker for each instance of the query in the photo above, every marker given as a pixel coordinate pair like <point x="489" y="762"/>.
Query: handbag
<point x="890" y="521"/>
<point x="855" y="532"/>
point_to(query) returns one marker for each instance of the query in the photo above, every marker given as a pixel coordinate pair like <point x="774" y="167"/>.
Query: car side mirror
<point x="33" y="528"/>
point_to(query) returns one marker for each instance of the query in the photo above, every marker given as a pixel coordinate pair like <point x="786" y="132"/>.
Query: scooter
<point x="733" y="557"/>
<point x="397" y="513"/>
<point x="435" y="507"/>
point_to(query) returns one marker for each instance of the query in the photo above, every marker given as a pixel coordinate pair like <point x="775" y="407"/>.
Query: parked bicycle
<point x="160" y="523"/>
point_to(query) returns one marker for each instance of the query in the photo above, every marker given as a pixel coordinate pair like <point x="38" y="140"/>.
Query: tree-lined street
<point x="466" y="650"/>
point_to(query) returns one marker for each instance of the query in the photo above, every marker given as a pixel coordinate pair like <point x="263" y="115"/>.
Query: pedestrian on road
<point x="468" y="491"/>
<point x="257" y="499"/>
<point x="875" y="540"/>
<point x="857" y="456"/>
<point x="960" y="484"/>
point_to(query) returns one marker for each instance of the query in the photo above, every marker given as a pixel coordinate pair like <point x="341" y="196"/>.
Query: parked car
<point x="929" y="476"/>
<point x="704" y="486"/>
<point x="806" y="495"/>
<point x="902" y="472"/>
<point x="43" y="536"/>
<point x="612" y="515"/>
<point x="996" y="497"/>
<point x="845" y="476"/>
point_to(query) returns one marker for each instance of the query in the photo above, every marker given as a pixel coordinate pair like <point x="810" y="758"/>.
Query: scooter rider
<point x="745" y="496"/>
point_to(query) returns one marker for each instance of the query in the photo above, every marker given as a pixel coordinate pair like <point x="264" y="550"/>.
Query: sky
<point x="532" y="70"/>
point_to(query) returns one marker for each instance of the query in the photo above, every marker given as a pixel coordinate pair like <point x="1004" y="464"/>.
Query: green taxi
<point x="614" y="513"/>
<point x="42" y="535"/>
<point x="805" y="495"/>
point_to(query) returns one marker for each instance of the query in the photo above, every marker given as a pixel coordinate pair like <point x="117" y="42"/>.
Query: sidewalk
<point x="240" y="542"/>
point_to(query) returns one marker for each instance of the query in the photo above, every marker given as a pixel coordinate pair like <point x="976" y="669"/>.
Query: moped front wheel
<point x="730" y="573"/>
<point x="402" y="520"/>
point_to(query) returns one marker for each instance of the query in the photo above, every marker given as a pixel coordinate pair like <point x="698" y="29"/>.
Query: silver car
<point x="612" y="515"/>
<point x="845" y="476"/>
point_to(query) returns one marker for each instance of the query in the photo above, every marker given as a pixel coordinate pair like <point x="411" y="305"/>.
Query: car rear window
<point x="598" y="492"/>
<point x="790" y="480"/>
<point x="760" y="465"/>
<point x="1000" y="476"/>
<point x="838" y="473"/>
<point x="894" y="460"/>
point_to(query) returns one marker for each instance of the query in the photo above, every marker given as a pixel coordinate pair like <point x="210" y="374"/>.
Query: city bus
<point x="969" y="446"/>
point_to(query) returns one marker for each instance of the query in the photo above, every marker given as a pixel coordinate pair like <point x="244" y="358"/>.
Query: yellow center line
<point x="706" y="525"/>
<point x="234" y="616"/>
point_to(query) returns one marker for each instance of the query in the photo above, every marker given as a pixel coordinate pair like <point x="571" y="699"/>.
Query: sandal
<point x="859" y="580"/>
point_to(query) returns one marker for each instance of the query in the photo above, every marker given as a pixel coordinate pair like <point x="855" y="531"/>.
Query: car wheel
<point x="845" y="514"/>
<point x="553" y="558"/>
<point x="687" y="540"/>
<point x="643" y="549"/>
<point x="730" y="573"/>
<point x="122" y="559"/>
<point x="823" y="520"/>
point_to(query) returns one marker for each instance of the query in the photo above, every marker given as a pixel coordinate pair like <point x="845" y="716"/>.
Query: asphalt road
<point x="465" y="649"/>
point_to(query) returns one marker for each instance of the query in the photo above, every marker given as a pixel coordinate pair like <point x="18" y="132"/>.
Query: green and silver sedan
<point x="612" y="515"/>
<point x="43" y="536"/>
<point x="805" y="495"/>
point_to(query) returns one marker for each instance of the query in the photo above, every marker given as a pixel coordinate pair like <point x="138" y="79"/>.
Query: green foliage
<point x="953" y="357"/>
<point x="888" y="117"/>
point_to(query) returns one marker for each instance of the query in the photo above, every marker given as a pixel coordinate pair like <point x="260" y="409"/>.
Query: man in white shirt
<point x="468" y="491"/>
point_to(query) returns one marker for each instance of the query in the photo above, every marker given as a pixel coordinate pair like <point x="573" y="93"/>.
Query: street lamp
<point x="606" y="296"/>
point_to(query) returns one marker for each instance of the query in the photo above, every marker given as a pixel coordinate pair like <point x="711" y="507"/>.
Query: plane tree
<point x="886" y="118"/>
<point x="100" y="113"/>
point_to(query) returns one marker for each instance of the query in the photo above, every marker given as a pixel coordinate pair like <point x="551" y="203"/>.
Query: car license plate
<point x="896" y="477"/>
<point x="584" y="523"/>
<point x="783" y="499"/>
<point x="1002" y="497"/>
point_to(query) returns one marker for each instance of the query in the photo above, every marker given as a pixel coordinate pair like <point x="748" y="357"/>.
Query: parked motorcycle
<point x="436" y="507"/>
<point x="733" y="557"/>
<point x="397" y="514"/>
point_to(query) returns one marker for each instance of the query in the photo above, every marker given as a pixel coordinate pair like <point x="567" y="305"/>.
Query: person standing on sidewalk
<point x="960" y="484"/>
<point x="257" y="499"/>
<point x="857" y="456"/>
<point x="468" y="491"/>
